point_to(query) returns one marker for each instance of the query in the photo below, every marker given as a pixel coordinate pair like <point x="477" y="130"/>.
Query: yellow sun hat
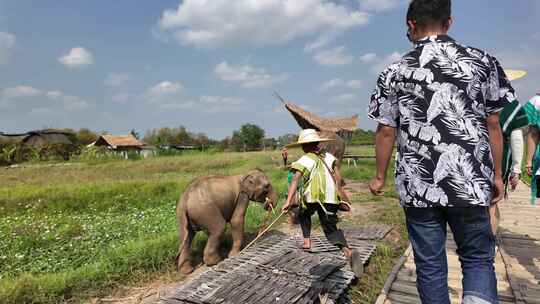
<point x="515" y="74"/>
<point x="308" y="136"/>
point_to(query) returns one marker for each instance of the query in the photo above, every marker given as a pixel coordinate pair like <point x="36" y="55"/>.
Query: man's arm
<point x="292" y="190"/>
<point x="532" y="140"/>
<point x="341" y="191"/>
<point x="385" y="138"/>
<point x="516" y="144"/>
<point x="496" y="142"/>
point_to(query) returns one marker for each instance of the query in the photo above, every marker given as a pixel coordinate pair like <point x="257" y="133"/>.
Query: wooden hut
<point x="344" y="127"/>
<point x="124" y="144"/>
<point x="43" y="138"/>
<point x="48" y="142"/>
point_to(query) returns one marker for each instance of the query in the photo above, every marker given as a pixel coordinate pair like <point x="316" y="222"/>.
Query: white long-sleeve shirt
<point x="517" y="146"/>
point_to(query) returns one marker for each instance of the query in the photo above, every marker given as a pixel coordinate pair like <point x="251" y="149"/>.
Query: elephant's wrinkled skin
<point x="211" y="202"/>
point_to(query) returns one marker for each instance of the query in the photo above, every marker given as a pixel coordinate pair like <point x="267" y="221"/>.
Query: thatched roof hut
<point x="122" y="142"/>
<point x="307" y="120"/>
<point x="48" y="142"/>
<point x="40" y="139"/>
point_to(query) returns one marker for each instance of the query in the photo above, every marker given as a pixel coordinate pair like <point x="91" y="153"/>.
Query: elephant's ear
<point x="247" y="185"/>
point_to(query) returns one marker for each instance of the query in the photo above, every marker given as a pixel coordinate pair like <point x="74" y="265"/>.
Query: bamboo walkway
<point x="517" y="263"/>
<point x="275" y="270"/>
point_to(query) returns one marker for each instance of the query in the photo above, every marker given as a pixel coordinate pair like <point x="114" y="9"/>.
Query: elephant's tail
<point x="184" y="230"/>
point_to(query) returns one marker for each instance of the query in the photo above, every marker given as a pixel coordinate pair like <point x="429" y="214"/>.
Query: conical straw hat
<point x="308" y="136"/>
<point x="515" y="74"/>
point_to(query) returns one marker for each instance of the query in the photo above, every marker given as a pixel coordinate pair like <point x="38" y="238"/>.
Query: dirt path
<point x="150" y="293"/>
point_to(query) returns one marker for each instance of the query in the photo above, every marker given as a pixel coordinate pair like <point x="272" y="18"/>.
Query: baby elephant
<point x="209" y="203"/>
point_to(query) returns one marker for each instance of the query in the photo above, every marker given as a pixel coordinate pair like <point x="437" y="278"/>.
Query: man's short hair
<point x="429" y="12"/>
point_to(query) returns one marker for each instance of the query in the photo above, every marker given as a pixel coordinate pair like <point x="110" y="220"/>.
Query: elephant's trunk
<point x="271" y="199"/>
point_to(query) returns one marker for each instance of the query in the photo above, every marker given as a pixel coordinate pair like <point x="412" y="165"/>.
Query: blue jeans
<point x="476" y="249"/>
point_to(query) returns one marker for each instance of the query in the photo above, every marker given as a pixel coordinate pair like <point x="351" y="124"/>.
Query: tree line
<point x="249" y="137"/>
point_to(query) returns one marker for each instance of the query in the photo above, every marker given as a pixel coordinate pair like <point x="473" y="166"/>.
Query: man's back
<point x="442" y="101"/>
<point x="438" y="96"/>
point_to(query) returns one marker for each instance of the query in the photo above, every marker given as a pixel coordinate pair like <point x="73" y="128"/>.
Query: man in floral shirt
<point x="442" y="101"/>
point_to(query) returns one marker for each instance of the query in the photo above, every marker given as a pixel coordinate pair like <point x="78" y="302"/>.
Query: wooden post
<point x="392" y="277"/>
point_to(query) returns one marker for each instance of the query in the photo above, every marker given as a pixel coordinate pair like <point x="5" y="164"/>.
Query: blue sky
<point x="212" y="65"/>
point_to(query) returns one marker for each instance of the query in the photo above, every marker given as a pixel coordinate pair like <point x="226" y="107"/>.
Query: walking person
<point x="533" y="151"/>
<point x="315" y="176"/>
<point x="442" y="102"/>
<point x="285" y="156"/>
<point x="513" y="118"/>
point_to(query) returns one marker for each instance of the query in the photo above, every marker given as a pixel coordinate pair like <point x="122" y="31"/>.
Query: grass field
<point x="78" y="231"/>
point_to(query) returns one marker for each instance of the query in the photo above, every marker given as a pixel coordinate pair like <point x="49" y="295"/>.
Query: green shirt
<point x="532" y="109"/>
<point x="319" y="186"/>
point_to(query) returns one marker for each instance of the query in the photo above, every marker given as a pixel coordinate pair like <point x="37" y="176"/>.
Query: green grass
<point x="386" y="255"/>
<point x="361" y="150"/>
<point x="79" y="231"/>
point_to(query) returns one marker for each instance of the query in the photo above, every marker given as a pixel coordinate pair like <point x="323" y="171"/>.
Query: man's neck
<point x="434" y="32"/>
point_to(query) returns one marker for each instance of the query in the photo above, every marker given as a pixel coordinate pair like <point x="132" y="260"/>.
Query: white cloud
<point x="219" y="100"/>
<point x="340" y="83"/>
<point x="214" y="104"/>
<point x="69" y="102"/>
<point x="368" y="58"/>
<point x="54" y="94"/>
<point x="333" y="57"/>
<point x="121" y="98"/>
<point x="247" y="76"/>
<point x="380" y="5"/>
<point x="77" y="57"/>
<point x="255" y="22"/>
<point x="322" y="41"/>
<point x="41" y="113"/>
<point x="73" y="103"/>
<point x="386" y="61"/>
<point x="7" y="42"/>
<point x="345" y="98"/>
<point x="47" y="99"/>
<point x="163" y="90"/>
<point x="177" y="105"/>
<point x="378" y="64"/>
<point x="20" y="92"/>
<point x="209" y="104"/>
<point x="116" y="80"/>
<point x="519" y="58"/>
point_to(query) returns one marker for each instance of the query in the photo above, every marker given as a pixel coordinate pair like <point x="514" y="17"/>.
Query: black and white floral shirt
<point x="438" y="96"/>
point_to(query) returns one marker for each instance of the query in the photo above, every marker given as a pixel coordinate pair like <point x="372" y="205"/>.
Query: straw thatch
<point x="308" y="120"/>
<point x="120" y="142"/>
<point x="39" y="139"/>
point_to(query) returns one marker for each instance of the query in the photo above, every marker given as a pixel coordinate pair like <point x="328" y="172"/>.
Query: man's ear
<point x="448" y="24"/>
<point x="412" y="26"/>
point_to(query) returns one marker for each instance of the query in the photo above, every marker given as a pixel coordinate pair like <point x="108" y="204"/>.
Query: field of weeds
<point x="77" y="231"/>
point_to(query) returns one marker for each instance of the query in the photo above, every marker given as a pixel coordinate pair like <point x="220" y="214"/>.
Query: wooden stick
<point x="273" y="210"/>
<point x="263" y="232"/>
<point x="392" y="276"/>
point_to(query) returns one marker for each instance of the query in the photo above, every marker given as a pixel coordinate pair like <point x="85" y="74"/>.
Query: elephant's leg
<point x="237" y="230"/>
<point x="211" y="251"/>
<point x="237" y="225"/>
